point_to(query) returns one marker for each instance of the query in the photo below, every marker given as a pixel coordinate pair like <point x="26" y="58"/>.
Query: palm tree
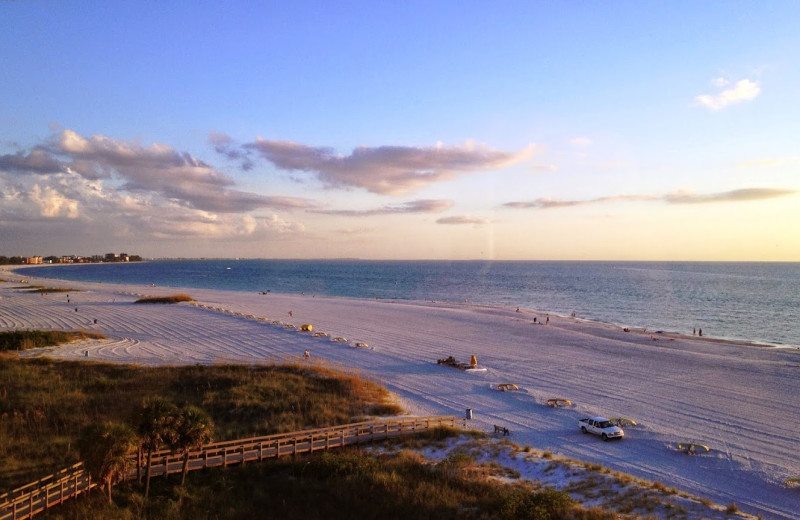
<point x="105" y="450"/>
<point x="156" y="420"/>
<point x="193" y="428"/>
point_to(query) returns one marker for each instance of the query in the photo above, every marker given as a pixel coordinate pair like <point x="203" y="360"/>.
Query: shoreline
<point x="677" y="388"/>
<point x="539" y="313"/>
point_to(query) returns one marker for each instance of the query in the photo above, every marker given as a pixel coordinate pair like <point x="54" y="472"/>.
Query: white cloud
<point x="463" y="219"/>
<point x="720" y="82"/>
<point x="388" y="170"/>
<point x="99" y="190"/>
<point x="742" y="195"/>
<point x="743" y="90"/>
<point x="157" y="170"/>
<point x="770" y="162"/>
<point x="51" y="203"/>
<point x="677" y="197"/>
<point x="414" y="206"/>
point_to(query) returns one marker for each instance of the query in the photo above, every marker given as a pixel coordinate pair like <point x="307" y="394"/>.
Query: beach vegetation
<point x="155" y="426"/>
<point x="104" y="449"/>
<point x="46" y="404"/>
<point x="28" y="339"/>
<point x="192" y="428"/>
<point x="173" y="298"/>
<point x="46" y="290"/>
<point x="349" y="483"/>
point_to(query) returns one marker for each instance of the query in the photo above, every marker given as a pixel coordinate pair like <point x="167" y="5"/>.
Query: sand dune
<point x="741" y="400"/>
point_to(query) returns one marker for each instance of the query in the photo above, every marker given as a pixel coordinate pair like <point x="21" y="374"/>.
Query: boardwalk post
<point x="139" y="463"/>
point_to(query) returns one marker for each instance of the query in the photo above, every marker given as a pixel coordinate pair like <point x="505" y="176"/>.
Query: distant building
<point x="33" y="260"/>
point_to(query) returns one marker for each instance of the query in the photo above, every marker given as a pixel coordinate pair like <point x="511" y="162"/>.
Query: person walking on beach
<point x="306" y="355"/>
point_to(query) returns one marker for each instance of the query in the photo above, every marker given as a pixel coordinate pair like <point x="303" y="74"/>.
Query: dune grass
<point x="44" y="404"/>
<point x="344" y="484"/>
<point x="173" y="298"/>
<point x="27" y="339"/>
<point x="46" y="290"/>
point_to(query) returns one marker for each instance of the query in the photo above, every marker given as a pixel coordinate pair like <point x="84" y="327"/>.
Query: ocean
<point x="758" y="302"/>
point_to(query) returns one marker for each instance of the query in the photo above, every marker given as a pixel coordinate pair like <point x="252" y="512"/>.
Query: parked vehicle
<point x="602" y="427"/>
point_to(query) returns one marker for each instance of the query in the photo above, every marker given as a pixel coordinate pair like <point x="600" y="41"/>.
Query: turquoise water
<point x="757" y="302"/>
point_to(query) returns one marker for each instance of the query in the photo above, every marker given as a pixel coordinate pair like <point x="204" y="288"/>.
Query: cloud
<point x="770" y="162"/>
<point x="548" y="203"/>
<point x="35" y="161"/>
<point x="743" y="195"/>
<point x="678" y="197"/>
<point x="720" y="82"/>
<point x="51" y="203"/>
<point x="416" y="206"/>
<point x="224" y="145"/>
<point x="742" y="90"/>
<point x="73" y="191"/>
<point x="458" y="220"/>
<point x="387" y="170"/>
<point x="156" y="169"/>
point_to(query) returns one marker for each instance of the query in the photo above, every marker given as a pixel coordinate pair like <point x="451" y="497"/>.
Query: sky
<point x="529" y="130"/>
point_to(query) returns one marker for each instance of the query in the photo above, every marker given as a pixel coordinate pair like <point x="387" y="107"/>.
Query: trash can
<point x="469" y="413"/>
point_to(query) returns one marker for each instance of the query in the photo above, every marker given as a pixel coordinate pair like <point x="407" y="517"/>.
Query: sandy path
<point x="740" y="400"/>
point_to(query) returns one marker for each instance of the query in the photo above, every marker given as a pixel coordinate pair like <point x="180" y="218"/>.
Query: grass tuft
<point x="39" y="289"/>
<point x="174" y="298"/>
<point x="28" y="339"/>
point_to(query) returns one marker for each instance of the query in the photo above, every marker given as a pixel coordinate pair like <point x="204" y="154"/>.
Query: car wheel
<point x="605" y="437"/>
<point x="583" y="429"/>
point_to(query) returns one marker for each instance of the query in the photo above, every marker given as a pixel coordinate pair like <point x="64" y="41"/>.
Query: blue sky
<point x="446" y="130"/>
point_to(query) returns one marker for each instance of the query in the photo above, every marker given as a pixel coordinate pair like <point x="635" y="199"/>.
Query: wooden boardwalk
<point x="29" y="500"/>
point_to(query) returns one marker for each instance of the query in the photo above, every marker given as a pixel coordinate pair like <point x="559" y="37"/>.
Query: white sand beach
<point x="740" y="400"/>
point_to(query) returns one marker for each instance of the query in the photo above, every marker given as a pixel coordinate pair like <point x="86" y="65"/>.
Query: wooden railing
<point x="29" y="500"/>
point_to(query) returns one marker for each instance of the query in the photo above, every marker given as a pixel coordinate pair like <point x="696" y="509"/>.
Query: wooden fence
<point x="29" y="500"/>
